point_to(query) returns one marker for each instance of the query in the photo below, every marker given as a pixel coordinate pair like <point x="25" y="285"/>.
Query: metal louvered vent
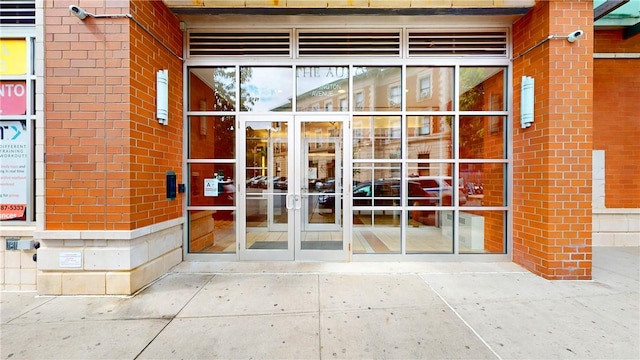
<point x="17" y="12"/>
<point x="427" y="43"/>
<point x="374" y="43"/>
<point x="240" y="44"/>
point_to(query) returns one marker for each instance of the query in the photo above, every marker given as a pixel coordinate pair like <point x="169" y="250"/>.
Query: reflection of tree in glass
<point x="224" y="86"/>
<point x="471" y="82"/>
<point x="471" y="128"/>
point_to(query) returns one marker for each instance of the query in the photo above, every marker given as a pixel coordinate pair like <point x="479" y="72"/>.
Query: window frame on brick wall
<point x="445" y="110"/>
<point x="28" y="119"/>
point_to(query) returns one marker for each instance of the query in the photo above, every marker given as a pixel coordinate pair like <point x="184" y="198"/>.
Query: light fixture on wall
<point x="162" y="96"/>
<point x="571" y="37"/>
<point x="527" y="100"/>
<point x="82" y="14"/>
<point x="79" y="12"/>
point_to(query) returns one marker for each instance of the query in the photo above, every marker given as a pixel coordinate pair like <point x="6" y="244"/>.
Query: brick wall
<point x="157" y="148"/>
<point x="552" y="158"/>
<point x="106" y="154"/>
<point x="616" y="126"/>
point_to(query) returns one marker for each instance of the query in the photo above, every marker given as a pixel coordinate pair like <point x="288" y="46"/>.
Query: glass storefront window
<point x="429" y="137"/>
<point x="212" y="184"/>
<point x="437" y="182"/>
<point x="212" y="231"/>
<point x="427" y="233"/>
<point x="377" y="137"/>
<point x="376" y="232"/>
<point x="17" y="129"/>
<point x="484" y="183"/>
<point x="482" y="137"/>
<point x="482" y="89"/>
<point x="212" y="137"/>
<point x="429" y="88"/>
<point x="410" y="183"/>
<point x="481" y="232"/>
<point x="370" y="172"/>
<point x="265" y="89"/>
<point x="212" y="89"/>
<point x="377" y="88"/>
<point x="320" y="88"/>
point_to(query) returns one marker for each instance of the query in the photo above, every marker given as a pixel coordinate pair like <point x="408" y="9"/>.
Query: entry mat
<point x="306" y="245"/>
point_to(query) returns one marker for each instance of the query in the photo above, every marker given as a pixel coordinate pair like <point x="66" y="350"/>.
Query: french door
<point x="293" y="168"/>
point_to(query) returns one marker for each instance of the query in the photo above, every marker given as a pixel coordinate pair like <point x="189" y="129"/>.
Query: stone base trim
<point x="106" y="262"/>
<point x="616" y="227"/>
<point x="106" y="282"/>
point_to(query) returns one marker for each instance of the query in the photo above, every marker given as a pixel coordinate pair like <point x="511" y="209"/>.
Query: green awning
<point x="617" y="14"/>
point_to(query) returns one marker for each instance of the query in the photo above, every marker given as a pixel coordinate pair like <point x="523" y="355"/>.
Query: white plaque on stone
<point x="70" y="259"/>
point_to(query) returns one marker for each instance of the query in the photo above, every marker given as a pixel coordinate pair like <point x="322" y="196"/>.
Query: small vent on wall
<point x="240" y="44"/>
<point x="373" y="43"/>
<point x="17" y="12"/>
<point x="428" y="43"/>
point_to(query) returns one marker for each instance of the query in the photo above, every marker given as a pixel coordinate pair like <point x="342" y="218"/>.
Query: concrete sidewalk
<point x="344" y="311"/>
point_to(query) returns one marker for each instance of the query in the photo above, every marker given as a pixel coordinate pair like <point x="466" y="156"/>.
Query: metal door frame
<point x="295" y="169"/>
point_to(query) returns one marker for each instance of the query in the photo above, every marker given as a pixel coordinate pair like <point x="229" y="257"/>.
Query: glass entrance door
<point x="294" y="176"/>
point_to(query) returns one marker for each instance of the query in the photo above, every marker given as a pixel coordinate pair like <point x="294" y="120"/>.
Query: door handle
<point x="297" y="201"/>
<point x="288" y="201"/>
<point x="297" y="204"/>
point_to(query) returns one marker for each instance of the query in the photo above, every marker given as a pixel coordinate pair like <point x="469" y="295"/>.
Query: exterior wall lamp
<point x="162" y="96"/>
<point x="81" y="14"/>
<point x="162" y="76"/>
<point x="572" y="37"/>
<point x="527" y="88"/>
<point x="527" y="100"/>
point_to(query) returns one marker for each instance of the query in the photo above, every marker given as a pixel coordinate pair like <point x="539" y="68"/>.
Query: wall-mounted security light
<point x="527" y="100"/>
<point x="572" y="37"/>
<point x="81" y="14"/>
<point x="78" y="12"/>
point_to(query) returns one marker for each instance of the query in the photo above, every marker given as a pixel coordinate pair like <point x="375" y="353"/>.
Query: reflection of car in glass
<point x="254" y="181"/>
<point x="440" y="187"/>
<point x="329" y="184"/>
<point x="384" y="192"/>
<point x="281" y="183"/>
<point x="264" y="182"/>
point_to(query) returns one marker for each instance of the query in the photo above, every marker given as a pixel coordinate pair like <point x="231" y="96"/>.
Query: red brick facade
<point x="106" y="154"/>
<point x="616" y="125"/>
<point x="552" y="158"/>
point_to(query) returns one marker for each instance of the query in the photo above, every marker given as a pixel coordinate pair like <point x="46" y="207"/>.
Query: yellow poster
<point x="13" y="57"/>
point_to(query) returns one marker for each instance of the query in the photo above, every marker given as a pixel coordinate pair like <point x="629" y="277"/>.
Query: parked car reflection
<point x="386" y="192"/>
<point x="441" y="187"/>
<point x="281" y="183"/>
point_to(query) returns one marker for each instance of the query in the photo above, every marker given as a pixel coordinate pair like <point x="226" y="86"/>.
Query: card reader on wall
<point x="171" y="185"/>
